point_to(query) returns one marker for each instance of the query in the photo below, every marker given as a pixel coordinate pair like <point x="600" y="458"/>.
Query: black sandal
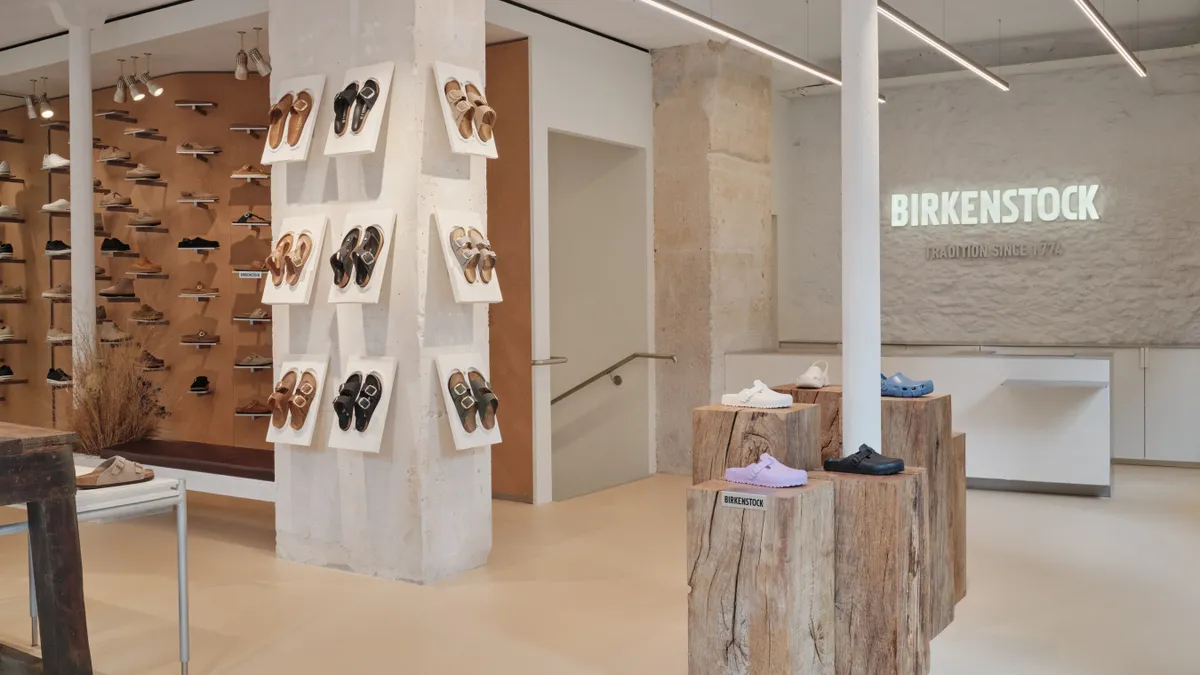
<point x="365" y="255"/>
<point x="487" y="403"/>
<point x="368" y="400"/>
<point x="464" y="404"/>
<point x="344" y="403"/>
<point x="341" y="107"/>
<point x="340" y="261"/>
<point x="363" y="103"/>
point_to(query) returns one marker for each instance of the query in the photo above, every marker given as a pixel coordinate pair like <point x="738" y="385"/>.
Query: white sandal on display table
<point x="758" y="396"/>
<point x="816" y="377"/>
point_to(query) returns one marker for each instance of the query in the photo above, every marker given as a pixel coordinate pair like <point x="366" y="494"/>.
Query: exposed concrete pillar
<point x="419" y="510"/>
<point x="714" y="268"/>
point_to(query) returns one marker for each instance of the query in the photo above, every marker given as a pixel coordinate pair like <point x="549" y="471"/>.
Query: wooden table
<point x="37" y="469"/>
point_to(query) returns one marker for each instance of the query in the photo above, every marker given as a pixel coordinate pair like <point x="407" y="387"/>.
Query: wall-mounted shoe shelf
<point x="119" y="208"/>
<point x="56" y="301"/>
<point x="153" y="322"/>
<point x="14" y="139"/>
<point x="104" y="277"/>
<point x="252" y="368"/>
<point x="252" y="416"/>
<point x="153" y="182"/>
<point x="11" y="219"/>
<point x="12" y="382"/>
<point x="250" y="321"/>
<point x="198" y="202"/>
<point x="160" y="369"/>
<point x="13" y="342"/>
<point x="252" y="129"/>
<point x="117" y="162"/>
<point x="11" y="179"/>
<point x="13" y="261"/>
<point x="153" y="229"/>
<point x="198" y="298"/>
<point x="147" y="135"/>
<point x="117" y="116"/>
<point x="201" y="107"/>
<point x="100" y="190"/>
<point x="266" y="224"/>
<point x="119" y="254"/>
<point x="121" y="298"/>
<point x="148" y="275"/>
<point x="200" y="345"/>
<point x="56" y="126"/>
<point x="201" y="155"/>
<point x="59" y="170"/>
<point x="13" y="301"/>
<point x="57" y="214"/>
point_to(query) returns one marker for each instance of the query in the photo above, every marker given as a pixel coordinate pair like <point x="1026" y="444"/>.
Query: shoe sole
<point x="731" y="400"/>
<point x="6" y="378"/>
<point x="6" y="256"/>
<point x="118" y="295"/>
<point x="55" y="297"/>
<point x="9" y="338"/>
<point x="57" y="254"/>
<point x="765" y="485"/>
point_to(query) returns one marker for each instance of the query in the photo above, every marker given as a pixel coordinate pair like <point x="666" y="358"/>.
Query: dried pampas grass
<point x="113" y="402"/>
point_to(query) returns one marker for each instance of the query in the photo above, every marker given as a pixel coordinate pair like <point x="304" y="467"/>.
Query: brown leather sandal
<point x="302" y="400"/>
<point x="294" y="263"/>
<point x="277" y="261"/>
<point x="484" y="115"/>
<point x="465" y="254"/>
<point x="278" y="401"/>
<point x="301" y="109"/>
<point x="460" y="108"/>
<point x="277" y="119"/>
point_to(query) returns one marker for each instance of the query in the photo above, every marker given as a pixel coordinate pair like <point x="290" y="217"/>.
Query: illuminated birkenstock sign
<point x="1075" y="203"/>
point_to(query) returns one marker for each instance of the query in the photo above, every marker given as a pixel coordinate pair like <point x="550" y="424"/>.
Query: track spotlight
<point x="256" y="57"/>
<point x="44" y="107"/>
<point x="119" y="93"/>
<point x="240" y="71"/>
<point x="131" y="84"/>
<point x="144" y="78"/>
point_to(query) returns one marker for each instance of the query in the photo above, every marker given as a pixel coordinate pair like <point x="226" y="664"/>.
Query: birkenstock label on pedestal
<point x="743" y="499"/>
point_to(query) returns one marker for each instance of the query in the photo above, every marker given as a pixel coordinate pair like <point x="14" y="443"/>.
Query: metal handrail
<point x="606" y="371"/>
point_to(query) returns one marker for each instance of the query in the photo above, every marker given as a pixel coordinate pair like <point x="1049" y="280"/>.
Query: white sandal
<point x="816" y="377"/>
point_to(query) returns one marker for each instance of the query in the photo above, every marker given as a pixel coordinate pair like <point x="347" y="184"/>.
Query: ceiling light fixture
<point x="30" y="109"/>
<point x="119" y="93"/>
<point x="261" y="64"/>
<point x="888" y="12"/>
<point x="1107" y="31"/>
<point x="131" y="82"/>
<point x="44" y="107"/>
<point x="144" y="78"/>
<point x="753" y="44"/>
<point x="240" y="71"/>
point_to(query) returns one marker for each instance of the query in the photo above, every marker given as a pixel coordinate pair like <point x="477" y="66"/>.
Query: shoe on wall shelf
<point x="11" y="179"/>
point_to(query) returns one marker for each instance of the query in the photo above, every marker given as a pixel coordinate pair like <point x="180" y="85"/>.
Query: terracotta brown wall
<point x="207" y="419"/>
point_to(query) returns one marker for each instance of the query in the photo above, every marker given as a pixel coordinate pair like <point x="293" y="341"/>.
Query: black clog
<point x="866" y="462"/>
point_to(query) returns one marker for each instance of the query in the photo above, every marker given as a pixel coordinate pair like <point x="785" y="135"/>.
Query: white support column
<point x="861" y="334"/>
<point x="83" y="252"/>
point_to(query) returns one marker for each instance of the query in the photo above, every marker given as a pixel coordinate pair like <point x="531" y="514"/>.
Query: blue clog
<point x="900" y="386"/>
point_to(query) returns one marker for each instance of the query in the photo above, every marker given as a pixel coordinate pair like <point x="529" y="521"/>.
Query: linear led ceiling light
<point x="1101" y="25"/>
<point x="753" y="44"/>
<point x="937" y="43"/>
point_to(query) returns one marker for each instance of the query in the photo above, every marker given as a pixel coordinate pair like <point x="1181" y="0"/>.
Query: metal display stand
<point x="125" y="502"/>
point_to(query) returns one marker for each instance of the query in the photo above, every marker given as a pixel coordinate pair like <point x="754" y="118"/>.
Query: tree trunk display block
<point x="958" y="516"/>
<point x="881" y="579"/>
<point x="917" y="430"/>
<point x="724" y="437"/>
<point x="761" y="572"/>
<point x="830" y="400"/>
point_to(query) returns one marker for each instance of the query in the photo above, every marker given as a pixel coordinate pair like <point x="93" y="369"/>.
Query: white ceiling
<point x="212" y="48"/>
<point x="810" y="28"/>
<point x="22" y="20"/>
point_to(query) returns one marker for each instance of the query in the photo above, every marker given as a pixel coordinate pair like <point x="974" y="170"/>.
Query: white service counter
<point x="1039" y="423"/>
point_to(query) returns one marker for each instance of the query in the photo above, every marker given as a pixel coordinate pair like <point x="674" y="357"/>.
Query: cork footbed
<point x="278" y="119"/>
<point x="279" y="399"/>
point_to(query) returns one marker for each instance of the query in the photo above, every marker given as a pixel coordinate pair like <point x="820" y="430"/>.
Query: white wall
<point x="597" y="229"/>
<point x="1129" y="278"/>
<point x="587" y="86"/>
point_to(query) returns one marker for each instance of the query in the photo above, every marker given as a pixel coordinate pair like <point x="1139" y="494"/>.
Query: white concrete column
<point x="83" y="250"/>
<point x="420" y="510"/>
<point x="861" y="334"/>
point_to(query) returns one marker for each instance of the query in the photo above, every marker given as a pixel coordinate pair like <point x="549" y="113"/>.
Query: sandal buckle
<point x="367" y="258"/>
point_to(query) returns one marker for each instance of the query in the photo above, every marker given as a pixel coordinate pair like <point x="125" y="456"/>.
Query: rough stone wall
<point x="1129" y="279"/>
<point x="713" y="237"/>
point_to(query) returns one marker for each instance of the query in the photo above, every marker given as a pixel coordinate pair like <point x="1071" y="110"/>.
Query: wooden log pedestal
<point x="958" y="515"/>
<point x="881" y="573"/>
<point x="761" y="572"/>
<point x="724" y="437"/>
<point x="917" y="430"/>
<point x="830" y="401"/>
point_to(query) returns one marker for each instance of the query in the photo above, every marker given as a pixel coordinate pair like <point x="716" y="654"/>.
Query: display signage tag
<point x="1076" y="203"/>
<point x="251" y="275"/>
<point x="738" y="499"/>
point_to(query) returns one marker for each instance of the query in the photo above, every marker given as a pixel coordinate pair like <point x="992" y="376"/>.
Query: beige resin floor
<point x="1059" y="586"/>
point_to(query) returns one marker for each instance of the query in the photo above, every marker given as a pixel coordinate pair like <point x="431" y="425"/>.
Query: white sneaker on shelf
<point x="9" y="212"/>
<point x="758" y="396"/>
<point x="5" y="170"/>
<point x="57" y="336"/>
<point x="53" y="161"/>
<point x="816" y="377"/>
<point x="110" y="333"/>
<point x="57" y="206"/>
<point x="7" y="334"/>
